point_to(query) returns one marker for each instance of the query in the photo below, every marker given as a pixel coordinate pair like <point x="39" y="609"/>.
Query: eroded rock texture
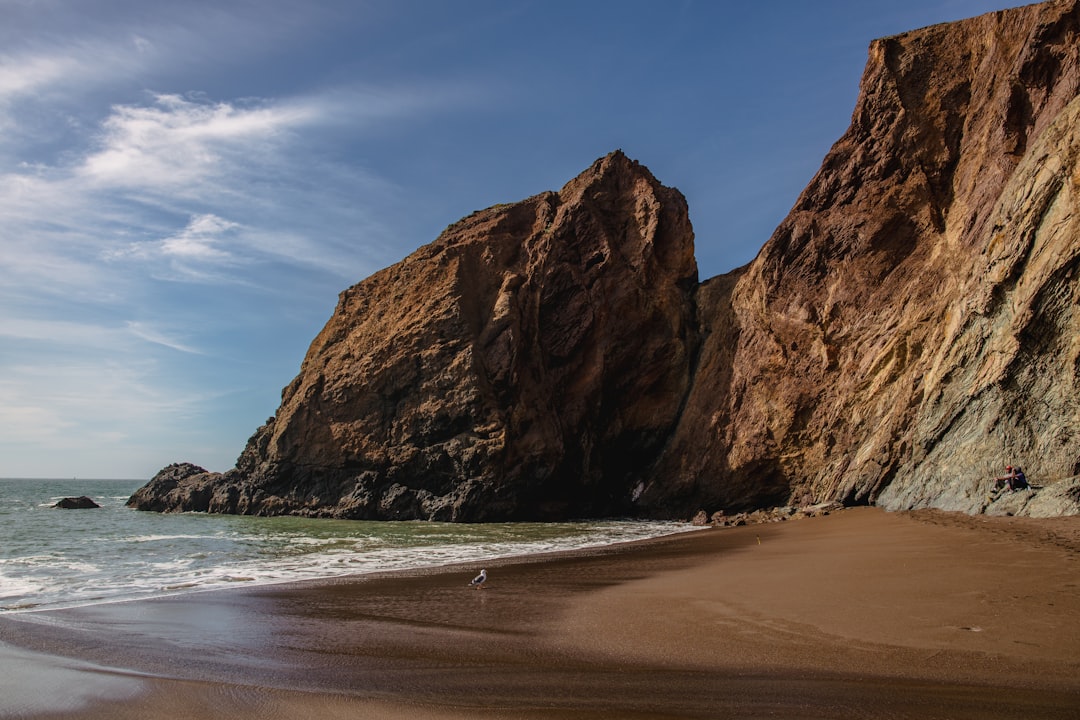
<point x="909" y="328"/>
<point x="530" y="363"/>
<point x="912" y="325"/>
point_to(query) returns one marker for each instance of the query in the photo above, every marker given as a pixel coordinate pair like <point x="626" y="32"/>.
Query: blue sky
<point x="185" y="187"/>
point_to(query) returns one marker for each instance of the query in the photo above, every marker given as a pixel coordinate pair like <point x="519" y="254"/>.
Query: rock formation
<point x="531" y="362"/>
<point x="909" y="328"/>
<point x="912" y="325"/>
<point x="76" y="503"/>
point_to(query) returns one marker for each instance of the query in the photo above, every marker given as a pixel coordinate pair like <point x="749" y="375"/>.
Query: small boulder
<point x="76" y="503"/>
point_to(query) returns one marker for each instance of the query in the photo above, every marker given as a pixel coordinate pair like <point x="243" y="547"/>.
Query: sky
<point x="185" y="187"/>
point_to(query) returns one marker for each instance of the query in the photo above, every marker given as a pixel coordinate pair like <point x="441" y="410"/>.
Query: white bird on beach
<point x="480" y="579"/>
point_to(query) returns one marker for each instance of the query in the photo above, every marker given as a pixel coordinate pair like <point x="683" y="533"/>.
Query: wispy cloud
<point x="132" y="203"/>
<point x="190" y="187"/>
<point x="177" y="189"/>
<point x="55" y="86"/>
<point x="90" y="337"/>
<point x="20" y="76"/>
<point x="197" y="253"/>
<point x="151" y="334"/>
<point x="184" y="144"/>
<point x="56" y="334"/>
<point x="200" y="239"/>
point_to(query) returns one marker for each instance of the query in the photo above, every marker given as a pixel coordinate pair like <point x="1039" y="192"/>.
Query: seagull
<point x="480" y="579"/>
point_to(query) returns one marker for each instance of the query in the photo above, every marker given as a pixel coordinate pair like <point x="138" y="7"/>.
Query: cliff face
<point x="909" y="328"/>
<point x="912" y="325"/>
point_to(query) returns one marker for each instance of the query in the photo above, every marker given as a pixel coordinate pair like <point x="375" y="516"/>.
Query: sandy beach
<point x="858" y="614"/>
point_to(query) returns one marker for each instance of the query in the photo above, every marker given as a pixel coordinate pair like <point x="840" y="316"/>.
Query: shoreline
<point x="142" y="555"/>
<point x="848" y="615"/>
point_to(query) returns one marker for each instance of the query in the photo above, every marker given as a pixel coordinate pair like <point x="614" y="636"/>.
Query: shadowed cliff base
<point x="909" y="329"/>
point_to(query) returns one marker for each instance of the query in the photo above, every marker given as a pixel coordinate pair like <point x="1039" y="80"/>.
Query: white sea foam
<point x="15" y="587"/>
<point x="51" y="558"/>
<point x="186" y="574"/>
<point x="161" y="538"/>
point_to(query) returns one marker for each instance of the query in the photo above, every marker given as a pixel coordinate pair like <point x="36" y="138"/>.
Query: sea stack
<point x="529" y="364"/>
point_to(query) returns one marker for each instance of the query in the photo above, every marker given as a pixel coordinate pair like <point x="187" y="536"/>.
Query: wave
<point x="188" y="565"/>
<point x="54" y="560"/>
<point x="160" y="538"/>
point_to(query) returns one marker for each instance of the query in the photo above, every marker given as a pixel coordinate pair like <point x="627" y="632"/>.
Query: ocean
<point x="52" y="558"/>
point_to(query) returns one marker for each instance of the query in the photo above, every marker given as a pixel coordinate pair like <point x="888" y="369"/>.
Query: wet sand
<point x="858" y="614"/>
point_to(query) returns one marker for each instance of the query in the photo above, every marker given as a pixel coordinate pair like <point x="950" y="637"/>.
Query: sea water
<point x="52" y="558"/>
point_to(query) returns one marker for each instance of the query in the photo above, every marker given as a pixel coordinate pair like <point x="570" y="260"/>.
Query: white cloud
<point x="117" y="173"/>
<point x="92" y="338"/>
<point x="174" y="158"/>
<point x="107" y="189"/>
<point x="180" y="142"/>
<point x="199" y="241"/>
<point x="149" y="333"/>
<point x="54" y="86"/>
<point x="21" y="76"/>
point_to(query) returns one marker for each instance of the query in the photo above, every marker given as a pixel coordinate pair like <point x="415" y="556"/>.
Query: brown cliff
<point x="530" y="363"/>
<point x="910" y="327"/>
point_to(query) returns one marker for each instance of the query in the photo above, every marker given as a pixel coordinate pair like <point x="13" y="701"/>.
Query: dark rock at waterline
<point x="174" y="488"/>
<point x="76" y="503"/>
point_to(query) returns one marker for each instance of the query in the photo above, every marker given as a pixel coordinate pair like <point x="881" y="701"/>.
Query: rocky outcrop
<point x="76" y="503"/>
<point x="910" y="327"/>
<point x="530" y="363"/>
<point x="1059" y="498"/>
<point x="763" y="516"/>
<point x="180" y="486"/>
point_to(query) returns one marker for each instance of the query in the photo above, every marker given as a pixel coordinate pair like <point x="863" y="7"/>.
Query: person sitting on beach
<point x="1018" y="481"/>
<point x="1014" y="478"/>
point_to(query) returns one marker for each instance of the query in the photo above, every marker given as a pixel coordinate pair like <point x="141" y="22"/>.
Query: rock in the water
<point x="76" y="503"/>
<point x="909" y="328"/>
<point x="176" y="488"/>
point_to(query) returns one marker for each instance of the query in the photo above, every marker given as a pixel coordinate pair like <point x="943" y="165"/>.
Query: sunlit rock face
<point x="912" y="325"/>
<point x="530" y="363"/>
<point x="909" y="329"/>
